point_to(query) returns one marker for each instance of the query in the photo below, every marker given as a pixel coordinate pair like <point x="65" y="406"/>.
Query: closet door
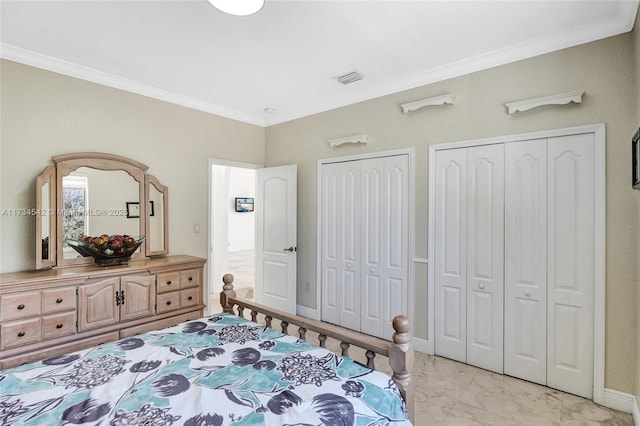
<point x="372" y="217"/>
<point x="451" y="253"/>
<point x="485" y="261"/>
<point x="395" y="247"/>
<point x="525" y="273"/>
<point x="384" y="209"/>
<point x="341" y="244"/>
<point x="571" y="279"/>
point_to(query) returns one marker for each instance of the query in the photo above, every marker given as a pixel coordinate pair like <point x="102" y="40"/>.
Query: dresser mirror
<point x="157" y="217"/>
<point x="95" y="194"/>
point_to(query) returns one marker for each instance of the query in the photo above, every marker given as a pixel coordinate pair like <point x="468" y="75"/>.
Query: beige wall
<point x="45" y="114"/>
<point x="603" y="69"/>
<point x="636" y="54"/>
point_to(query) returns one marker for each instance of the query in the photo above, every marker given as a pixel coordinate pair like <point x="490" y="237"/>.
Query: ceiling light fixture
<point x="238" y="7"/>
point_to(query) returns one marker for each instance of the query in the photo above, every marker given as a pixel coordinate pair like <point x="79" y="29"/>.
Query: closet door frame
<point x="598" y="130"/>
<point x="410" y="152"/>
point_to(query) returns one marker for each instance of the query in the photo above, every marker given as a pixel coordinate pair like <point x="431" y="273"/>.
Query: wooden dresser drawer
<point x="18" y="333"/>
<point x="190" y="278"/>
<point x="168" y="302"/>
<point x="189" y="297"/>
<point x="58" y="325"/>
<point x="58" y="299"/>
<point x="168" y="282"/>
<point x="19" y="305"/>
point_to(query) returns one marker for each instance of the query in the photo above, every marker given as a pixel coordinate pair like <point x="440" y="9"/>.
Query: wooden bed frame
<point x="399" y="351"/>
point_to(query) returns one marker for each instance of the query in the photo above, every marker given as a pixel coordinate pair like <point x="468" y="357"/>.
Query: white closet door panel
<point x="450" y="253"/>
<point x="349" y="219"/>
<point x="485" y="261"/>
<point x="330" y="275"/>
<point x="571" y="279"/>
<point x="525" y="326"/>
<point x="395" y="237"/>
<point x="371" y="208"/>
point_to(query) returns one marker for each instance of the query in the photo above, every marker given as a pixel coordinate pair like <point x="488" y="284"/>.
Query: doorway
<point x="232" y="227"/>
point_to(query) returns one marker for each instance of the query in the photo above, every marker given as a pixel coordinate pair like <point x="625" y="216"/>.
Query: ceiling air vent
<point x="349" y="77"/>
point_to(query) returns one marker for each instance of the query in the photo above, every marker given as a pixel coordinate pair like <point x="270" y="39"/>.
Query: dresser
<point x="55" y="311"/>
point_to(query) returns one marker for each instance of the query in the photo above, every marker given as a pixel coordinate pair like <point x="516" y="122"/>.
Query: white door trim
<point x="410" y="238"/>
<point x="600" y="235"/>
<point x="214" y="284"/>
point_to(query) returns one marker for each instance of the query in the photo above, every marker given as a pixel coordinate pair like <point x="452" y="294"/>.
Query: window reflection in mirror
<point x="94" y="203"/>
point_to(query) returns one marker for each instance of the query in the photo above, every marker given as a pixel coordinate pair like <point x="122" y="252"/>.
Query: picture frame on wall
<point x="635" y="156"/>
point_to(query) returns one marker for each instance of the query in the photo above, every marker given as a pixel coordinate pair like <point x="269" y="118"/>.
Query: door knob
<point x="527" y="293"/>
<point x="481" y="285"/>
<point x="371" y="271"/>
<point x="348" y="266"/>
<point x="291" y="249"/>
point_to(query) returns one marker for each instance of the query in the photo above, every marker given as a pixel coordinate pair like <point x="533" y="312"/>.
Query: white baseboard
<point x="420" y="345"/>
<point x="621" y="401"/>
<point x="636" y="411"/>
<point x="303" y="311"/>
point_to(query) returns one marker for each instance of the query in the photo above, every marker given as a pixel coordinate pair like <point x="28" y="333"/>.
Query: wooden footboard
<point x="399" y="351"/>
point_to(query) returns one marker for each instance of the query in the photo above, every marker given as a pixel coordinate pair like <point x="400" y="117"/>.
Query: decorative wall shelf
<point x="434" y="101"/>
<point x="559" y="99"/>
<point x="349" y="139"/>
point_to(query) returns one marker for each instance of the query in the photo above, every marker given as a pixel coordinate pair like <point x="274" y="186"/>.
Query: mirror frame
<point x="65" y="164"/>
<point x="48" y="175"/>
<point x="152" y="180"/>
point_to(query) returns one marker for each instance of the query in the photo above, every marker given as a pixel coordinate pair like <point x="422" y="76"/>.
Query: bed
<point x="222" y="369"/>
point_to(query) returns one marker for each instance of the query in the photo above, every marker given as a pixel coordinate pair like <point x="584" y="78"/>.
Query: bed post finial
<point x="401" y="360"/>
<point x="226" y="293"/>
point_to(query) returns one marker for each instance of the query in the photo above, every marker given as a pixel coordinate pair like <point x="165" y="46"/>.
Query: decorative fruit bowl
<point x="107" y="249"/>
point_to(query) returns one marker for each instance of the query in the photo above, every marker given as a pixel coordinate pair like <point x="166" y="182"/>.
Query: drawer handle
<point x="190" y="298"/>
<point x="190" y="278"/>
<point x="21" y="334"/>
<point x="168" y="302"/>
<point x="59" y="326"/>
<point x="59" y="300"/>
<point x="169" y="282"/>
<point x="20" y="306"/>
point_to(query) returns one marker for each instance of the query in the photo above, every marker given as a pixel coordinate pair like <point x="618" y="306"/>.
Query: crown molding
<point x="81" y="72"/>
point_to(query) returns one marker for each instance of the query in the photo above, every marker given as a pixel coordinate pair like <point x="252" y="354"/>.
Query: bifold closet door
<point x="525" y="258"/>
<point x="451" y="254"/>
<point x="570" y="257"/>
<point x="485" y="256"/>
<point x="385" y="222"/>
<point x="469" y="255"/>
<point x="365" y="225"/>
<point x="340" y="183"/>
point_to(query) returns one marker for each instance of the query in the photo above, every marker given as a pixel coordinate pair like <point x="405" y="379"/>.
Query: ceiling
<point x="284" y="58"/>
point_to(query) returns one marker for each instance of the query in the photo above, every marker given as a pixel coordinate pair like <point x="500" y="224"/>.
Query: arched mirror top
<point x="93" y="193"/>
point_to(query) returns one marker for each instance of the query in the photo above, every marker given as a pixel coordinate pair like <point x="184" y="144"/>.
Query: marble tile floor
<point x="452" y="393"/>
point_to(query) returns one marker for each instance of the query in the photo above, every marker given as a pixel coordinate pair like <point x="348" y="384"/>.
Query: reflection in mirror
<point x="95" y="203"/>
<point x="45" y="218"/>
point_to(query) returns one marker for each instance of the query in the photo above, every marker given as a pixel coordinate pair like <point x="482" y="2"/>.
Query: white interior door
<point x="525" y="274"/>
<point x="485" y="251"/>
<point x="570" y="257"/>
<point x="451" y="254"/>
<point x="276" y="227"/>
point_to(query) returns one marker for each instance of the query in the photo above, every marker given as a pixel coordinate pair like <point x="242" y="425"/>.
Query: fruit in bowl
<point x="107" y="249"/>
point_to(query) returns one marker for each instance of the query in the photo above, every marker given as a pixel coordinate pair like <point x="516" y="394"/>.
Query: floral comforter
<point x="219" y="370"/>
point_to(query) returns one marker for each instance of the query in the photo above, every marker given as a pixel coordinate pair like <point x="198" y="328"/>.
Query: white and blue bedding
<point x="219" y="370"/>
